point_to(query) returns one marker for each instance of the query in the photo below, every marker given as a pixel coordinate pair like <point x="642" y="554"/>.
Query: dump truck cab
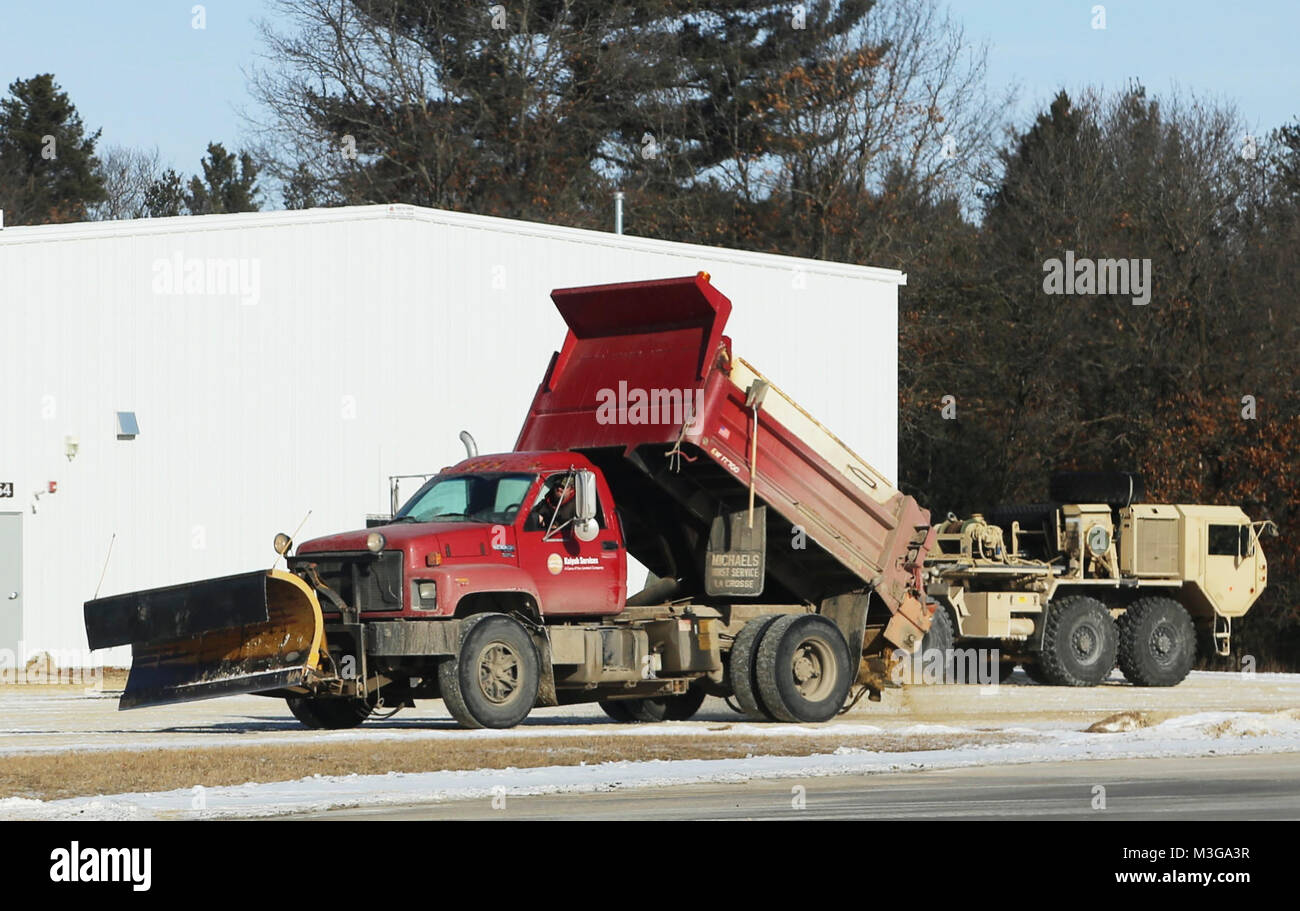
<point x="494" y="530"/>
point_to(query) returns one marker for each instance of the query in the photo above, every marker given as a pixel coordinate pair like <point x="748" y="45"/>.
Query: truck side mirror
<point x="584" y="506"/>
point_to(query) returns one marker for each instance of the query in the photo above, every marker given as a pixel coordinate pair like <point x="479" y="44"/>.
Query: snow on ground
<point x="32" y="722"/>
<point x="1198" y="734"/>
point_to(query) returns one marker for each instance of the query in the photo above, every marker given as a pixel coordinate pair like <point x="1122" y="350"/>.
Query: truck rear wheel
<point x="803" y="668"/>
<point x="1157" y="642"/>
<point x="1079" y="642"/>
<point x="329" y="714"/>
<point x="742" y="666"/>
<point x="492" y="680"/>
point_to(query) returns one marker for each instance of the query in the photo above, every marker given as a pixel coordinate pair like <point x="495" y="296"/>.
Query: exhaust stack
<point x="471" y="448"/>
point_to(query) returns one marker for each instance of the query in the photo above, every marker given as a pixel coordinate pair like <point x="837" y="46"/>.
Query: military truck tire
<point x="492" y="681"/>
<point x="1157" y="642"/>
<point x="803" y="668"/>
<point x="1034" y="671"/>
<point x="334" y="714"/>
<point x="1079" y="642"/>
<point x="742" y="667"/>
<point x="940" y="637"/>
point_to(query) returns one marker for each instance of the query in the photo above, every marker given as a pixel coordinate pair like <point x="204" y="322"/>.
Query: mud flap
<point x="238" y="634"/>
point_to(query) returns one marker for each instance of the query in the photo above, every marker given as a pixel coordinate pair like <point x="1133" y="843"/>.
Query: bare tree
<point x="127" y="174"/>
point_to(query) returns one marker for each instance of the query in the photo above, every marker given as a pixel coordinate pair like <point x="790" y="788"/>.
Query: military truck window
<point x="1228" y="540"/>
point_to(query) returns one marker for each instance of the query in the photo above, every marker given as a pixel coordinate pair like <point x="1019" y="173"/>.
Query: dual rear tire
<point x="791" y="667"/>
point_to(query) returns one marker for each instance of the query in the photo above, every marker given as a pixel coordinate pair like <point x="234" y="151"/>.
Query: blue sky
<point x="140" y="70"/>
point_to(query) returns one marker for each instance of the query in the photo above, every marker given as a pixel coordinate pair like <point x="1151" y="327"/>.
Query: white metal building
<point x="282" y="362"/>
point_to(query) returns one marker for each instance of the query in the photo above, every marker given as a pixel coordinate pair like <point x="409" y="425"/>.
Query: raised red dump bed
<point x="647" y="387"/>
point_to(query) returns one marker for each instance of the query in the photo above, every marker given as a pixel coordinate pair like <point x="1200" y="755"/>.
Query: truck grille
<point x="365" y="581"/>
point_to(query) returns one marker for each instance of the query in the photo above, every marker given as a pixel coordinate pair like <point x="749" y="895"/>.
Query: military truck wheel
<point x="1079" y="642"/>
<point x="491" y="682"/>
<point x="329" y="714"/>
<point x="1034" y="671"/>
<point x="803" y="668"/>
<point x="1157" y="642"/>
<point x="938" y="640"/>
<point x="742" y="666"/>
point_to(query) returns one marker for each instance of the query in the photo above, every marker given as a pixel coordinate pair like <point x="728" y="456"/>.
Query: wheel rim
<point x="1085" y="643"/>
<point x="813" y="670"/>
<point x="1163" y="644"/>
<point x="498" y="673"/>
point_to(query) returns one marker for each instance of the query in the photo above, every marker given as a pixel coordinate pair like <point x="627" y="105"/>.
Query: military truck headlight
<point x="375" y="542"/>
<point x="282" y="544"/>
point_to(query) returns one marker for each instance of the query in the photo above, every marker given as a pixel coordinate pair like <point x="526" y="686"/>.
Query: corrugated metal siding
<point x="379" y="333"/>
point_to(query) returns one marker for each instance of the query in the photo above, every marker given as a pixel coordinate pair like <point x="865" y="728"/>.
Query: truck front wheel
<point x="334" y="714"/>
<point x="803" y="668"/>
<point x="1079" y="642"/>
<point x="492" y="681"/>
<point x="1157" y="642"/>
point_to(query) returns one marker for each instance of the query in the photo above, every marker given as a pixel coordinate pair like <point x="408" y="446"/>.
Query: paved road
<point x="67" y="718"/>
<point x="1207" y="788"/>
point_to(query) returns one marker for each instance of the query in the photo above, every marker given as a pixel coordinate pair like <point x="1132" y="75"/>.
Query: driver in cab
<point x="555" y="505"/>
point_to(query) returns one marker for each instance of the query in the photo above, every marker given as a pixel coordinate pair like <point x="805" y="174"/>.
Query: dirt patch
<point x="1122" y="721"/>
<point x="81" y="774"/>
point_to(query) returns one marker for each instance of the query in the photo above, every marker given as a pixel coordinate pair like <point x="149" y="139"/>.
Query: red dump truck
<point x="785" y="568"/>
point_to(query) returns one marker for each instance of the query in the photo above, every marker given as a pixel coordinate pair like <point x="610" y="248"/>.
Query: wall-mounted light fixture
<point x="70" y="447"/>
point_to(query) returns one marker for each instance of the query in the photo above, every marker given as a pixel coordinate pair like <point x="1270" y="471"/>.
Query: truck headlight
<point x="426" y="596"/>
<point x="375" y="542"/>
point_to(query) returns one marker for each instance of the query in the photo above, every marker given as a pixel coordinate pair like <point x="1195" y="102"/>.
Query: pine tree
<point x="48" y="170"/>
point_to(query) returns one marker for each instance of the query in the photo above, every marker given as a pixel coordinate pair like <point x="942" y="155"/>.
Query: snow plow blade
<point x="248" y="633"/>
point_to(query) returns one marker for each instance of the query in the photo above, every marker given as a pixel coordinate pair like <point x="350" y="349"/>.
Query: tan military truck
<point x="1069" y="589"/>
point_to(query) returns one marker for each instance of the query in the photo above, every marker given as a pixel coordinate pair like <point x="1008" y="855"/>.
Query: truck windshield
<point x="491" y="497"/>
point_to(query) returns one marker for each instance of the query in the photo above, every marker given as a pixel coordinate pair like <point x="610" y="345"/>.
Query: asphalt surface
<point x="1255" y="787"/>
<point x="50" y="719"/>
